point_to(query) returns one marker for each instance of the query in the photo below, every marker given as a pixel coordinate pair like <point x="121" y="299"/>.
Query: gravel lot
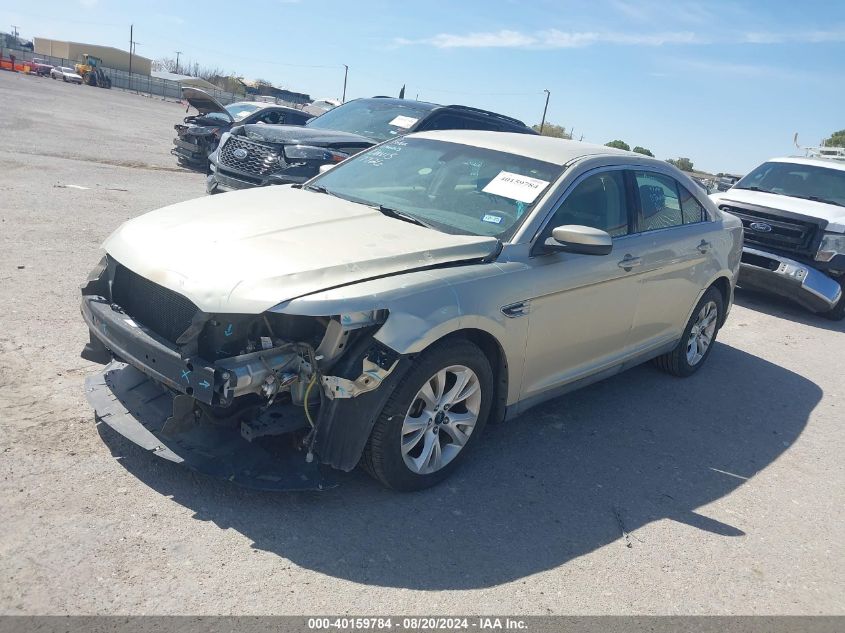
<point x="720" y="494"/>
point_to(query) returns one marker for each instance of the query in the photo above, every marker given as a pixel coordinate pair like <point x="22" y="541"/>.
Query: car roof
<point x="258" y="104"/>
<point x="458" y="108"/>
<point x="804" y="160"/>
<point x="422" y="105"/>
<point x="545" y="148"/>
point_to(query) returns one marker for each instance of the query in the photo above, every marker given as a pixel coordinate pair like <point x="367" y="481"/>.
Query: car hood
<point x="303" y="135"/>
<point x="204" y="102"/>
<point x="834" y="215"/>
<point x="246" y="251"/>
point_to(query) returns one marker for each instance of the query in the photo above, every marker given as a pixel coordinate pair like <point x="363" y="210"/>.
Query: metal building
<point x="112" y="57"/>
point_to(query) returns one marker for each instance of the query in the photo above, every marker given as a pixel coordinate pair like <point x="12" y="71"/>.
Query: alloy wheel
<point x="440" y="419"/>
<point x="702" y="333"/>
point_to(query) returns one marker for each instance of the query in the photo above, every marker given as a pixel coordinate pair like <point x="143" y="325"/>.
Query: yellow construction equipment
<point x="91" y="72"/>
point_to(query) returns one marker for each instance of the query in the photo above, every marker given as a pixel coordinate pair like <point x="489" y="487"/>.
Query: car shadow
<point x="568" y="477"/>
<point x="780" y="307"/>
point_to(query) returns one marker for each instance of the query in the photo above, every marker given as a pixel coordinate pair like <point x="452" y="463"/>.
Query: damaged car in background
<point x="793" y="210"/>
<point x="257" y="156"/>
<point x="382" y="313"/>
<point x="198" y="135"/>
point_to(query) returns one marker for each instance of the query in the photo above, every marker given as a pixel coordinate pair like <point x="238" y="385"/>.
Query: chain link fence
<point x="143" y="84"/>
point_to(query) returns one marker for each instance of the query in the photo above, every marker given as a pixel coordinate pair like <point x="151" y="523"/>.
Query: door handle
<point x="630" y="262"/>
<point x="704" y="246"/>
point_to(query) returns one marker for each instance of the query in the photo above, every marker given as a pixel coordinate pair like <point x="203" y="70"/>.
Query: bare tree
<point x="167" y="64"/>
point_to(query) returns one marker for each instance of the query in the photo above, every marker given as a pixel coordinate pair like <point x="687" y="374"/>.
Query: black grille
<point x="785" y="234"/>
<point x="165" y="312"/>
<point x="259" y="160"/>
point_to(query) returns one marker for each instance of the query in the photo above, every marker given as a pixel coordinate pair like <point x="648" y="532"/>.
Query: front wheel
<point x="697" y="340"/>
<point x="429" y="422"/>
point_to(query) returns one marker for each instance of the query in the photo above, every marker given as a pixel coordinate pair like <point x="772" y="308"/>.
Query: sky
<point x="726" y="84"/>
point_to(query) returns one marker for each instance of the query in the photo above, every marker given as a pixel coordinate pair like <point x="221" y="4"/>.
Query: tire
<point x="837" y="313"/>
<point x="384" y="457"/>
<point x="683" y="361"/>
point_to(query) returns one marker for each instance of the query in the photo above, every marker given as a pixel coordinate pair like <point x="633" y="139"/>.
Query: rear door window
<point x="691" y="209"/>
<point x="660" y="204"/>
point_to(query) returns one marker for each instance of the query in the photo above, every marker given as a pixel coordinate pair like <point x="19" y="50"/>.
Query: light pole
<point x="545" y="108"/>
<point x="345" y="74"/>
<point x="131" y="26"/>
<point x="177" y="61"/>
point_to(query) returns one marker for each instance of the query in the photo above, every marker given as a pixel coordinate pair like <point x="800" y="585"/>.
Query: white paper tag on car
<point x="405" y="122"/>
<point x="515" y="187"/>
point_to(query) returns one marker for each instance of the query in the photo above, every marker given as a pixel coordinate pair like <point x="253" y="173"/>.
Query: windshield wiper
<point x="401" y="215"/>
<point x="754" y="188"/>
<point x="321" y="189"/>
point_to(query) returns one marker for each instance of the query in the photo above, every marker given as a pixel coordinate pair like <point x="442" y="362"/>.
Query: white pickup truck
<point x="793" y="211"/>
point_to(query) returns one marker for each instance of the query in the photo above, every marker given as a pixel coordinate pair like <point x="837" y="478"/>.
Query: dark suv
<point x="260" y="155"/>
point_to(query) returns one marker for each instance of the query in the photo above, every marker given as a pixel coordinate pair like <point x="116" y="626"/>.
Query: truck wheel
<point x="837" y="312"/>
<point x="432" y="418"/>
<point x="697" y="340"/>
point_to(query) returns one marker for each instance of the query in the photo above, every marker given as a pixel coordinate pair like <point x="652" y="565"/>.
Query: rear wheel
<point x="432" y="418"/>
<point x="697" y="340"/>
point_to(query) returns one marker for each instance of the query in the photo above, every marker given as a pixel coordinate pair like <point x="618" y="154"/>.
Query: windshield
<point x="450" y="187"/>
<point x="810" y="182"/>
<point x="240" y="110"/>
<point x="67" y="70"/>
<point x="379" y="120"/>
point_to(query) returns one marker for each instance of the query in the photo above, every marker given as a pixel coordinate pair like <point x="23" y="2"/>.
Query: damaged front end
<point x="260" y="400"/>
<point x="195" y="139"/>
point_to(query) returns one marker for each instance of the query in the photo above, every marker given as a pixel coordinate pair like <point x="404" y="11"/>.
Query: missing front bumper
<point x="788" y="278"/>
<point x="149" y="415"/>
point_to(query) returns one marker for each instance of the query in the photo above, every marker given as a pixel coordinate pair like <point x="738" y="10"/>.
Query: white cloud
<point x="552" y="38"/>
<point x="499" y="39"/>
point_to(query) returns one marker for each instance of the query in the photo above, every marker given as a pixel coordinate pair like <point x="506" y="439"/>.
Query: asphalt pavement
<point x="644" y="494"/>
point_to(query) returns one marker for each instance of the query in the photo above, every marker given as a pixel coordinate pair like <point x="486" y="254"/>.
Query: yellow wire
<point x="308" y="393"/>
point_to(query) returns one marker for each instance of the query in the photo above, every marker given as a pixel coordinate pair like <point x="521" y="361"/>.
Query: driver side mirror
<point x="575" y="238"/>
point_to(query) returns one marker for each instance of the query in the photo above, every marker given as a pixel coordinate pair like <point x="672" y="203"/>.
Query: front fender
<point x="425" y="306"/>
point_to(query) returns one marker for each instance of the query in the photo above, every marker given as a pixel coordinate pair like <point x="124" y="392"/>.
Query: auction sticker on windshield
<point x="516" y="187"/>
<point x="405" y="122"/>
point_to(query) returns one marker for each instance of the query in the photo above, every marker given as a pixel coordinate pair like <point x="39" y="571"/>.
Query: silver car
<point x="385" y="311"/>
<point x="65" y="74"/>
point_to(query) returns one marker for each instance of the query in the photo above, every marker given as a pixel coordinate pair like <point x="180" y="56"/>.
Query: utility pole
<point x="545" y="108"/>
<point x="177" y="61"/>
<point x="131" y="26"/>
<point x="15" y="31"/>
<point x="345" y="74"/>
